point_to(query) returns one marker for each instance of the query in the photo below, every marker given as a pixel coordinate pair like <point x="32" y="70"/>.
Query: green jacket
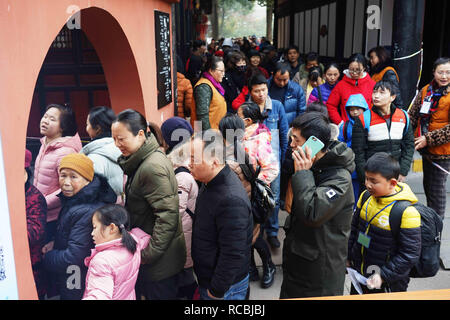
<point x="318" y="228"/>
<point x="152" y="202"/>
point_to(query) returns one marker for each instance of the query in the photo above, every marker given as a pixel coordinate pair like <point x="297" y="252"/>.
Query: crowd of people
<point x="166" y="212"/>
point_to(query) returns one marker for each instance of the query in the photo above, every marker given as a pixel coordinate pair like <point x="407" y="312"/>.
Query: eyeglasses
<point x="355" y="71"/>
<point x="220" y="70"/>
<point x="442" y="73"/>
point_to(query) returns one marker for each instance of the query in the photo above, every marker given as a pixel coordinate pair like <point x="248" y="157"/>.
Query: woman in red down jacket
<point x="356" y="80"/>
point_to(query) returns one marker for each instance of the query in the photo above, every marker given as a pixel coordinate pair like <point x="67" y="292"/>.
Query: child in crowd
<point x="356" y="105"/>
<point x="115" y="261"/>
<point x="314" y="80"/>
<point x="384" y="128"/>
<point x="372" y="245"/>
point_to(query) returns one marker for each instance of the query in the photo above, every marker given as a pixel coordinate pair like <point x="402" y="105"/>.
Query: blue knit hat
<point x="170" y="125"/>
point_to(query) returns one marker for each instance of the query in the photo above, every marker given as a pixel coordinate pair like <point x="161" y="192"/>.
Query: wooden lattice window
<point x="63" y="40"/>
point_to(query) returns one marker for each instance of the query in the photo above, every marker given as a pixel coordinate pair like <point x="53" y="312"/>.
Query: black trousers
<point x="263" y="250"/>
<point x="165" y="289"/>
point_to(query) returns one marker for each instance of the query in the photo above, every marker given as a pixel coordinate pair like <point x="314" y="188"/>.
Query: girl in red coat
<point x="356" y="80"/>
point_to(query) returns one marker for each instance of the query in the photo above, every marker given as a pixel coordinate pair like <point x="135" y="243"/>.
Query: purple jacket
<point x="325" y="90"/>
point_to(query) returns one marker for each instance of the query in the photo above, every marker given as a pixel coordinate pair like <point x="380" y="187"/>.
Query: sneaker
<point x="268" y="276"/>
<point x="273" y="242"/>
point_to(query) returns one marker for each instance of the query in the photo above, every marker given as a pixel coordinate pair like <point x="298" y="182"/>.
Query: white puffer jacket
<point x="104" y="153"/>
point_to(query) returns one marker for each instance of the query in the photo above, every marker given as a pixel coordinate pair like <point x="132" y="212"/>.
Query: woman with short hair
<point x="210" y="105"/>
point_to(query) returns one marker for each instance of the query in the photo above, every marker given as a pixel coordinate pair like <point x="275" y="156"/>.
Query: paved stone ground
<point x="440" y="281"/>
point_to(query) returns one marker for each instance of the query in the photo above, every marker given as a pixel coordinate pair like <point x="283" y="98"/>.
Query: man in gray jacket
<point x="318" y="228"/>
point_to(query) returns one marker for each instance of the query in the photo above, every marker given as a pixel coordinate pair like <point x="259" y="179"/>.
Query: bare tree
<point x="220" y="8"/>
<point x="269" y="4"/>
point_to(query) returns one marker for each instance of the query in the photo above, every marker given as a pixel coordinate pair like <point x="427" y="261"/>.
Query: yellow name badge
<point x="364" y="240"/>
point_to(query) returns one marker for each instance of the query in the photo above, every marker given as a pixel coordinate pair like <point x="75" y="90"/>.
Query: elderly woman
<point x="177" y="132"/>
<point x="429" y="116"/>
<point x="82" y="193"/>
<point x="210" y="105"/>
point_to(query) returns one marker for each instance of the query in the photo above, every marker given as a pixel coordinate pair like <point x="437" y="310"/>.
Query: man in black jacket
<point x="223" y="224"/>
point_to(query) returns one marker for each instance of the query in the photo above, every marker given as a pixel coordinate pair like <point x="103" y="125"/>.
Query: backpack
<point x="262" y="199"/>
<point x="431" y="230"/>
<point x="184" y="169"/>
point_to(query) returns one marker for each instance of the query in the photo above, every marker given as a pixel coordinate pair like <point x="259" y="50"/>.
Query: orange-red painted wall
<point x="122" y="33"/>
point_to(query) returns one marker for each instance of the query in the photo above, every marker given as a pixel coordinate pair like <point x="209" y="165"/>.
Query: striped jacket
<point x="392" y="135"/>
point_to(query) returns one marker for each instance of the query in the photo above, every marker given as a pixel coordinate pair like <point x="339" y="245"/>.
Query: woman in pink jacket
<point x="59" y="128"/>
<point x="113" y="266"/>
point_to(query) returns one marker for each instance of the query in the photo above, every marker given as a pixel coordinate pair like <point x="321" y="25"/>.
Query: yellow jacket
<point x="375" y="246"/>
<point x="410" y="218"/>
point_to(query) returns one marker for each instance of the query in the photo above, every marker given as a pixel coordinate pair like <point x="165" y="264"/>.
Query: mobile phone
<point x="314" y="144"/>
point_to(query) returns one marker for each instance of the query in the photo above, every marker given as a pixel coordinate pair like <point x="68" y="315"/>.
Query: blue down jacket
<point x="73" y="241"/>
<point x="355" y="100"/>
<point x="294" y="100"/>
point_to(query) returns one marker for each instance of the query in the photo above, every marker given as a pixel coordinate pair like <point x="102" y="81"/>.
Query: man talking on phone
<point x="318" y="228"/>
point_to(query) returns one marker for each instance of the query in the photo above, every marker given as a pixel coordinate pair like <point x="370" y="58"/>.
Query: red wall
<point x="122" y="33"/>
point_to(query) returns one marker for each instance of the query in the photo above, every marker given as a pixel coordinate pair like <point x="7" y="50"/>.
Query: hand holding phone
<point x="314" y="144"/>
<point x="304" y="156"/>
